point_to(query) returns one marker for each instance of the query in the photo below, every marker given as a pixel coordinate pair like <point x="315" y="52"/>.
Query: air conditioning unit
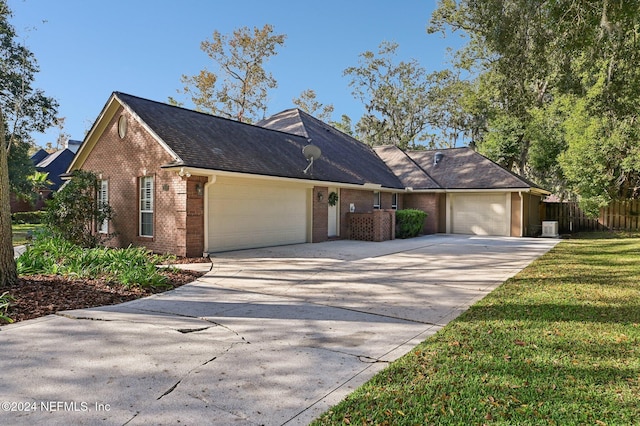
<point x="550" y="229"/>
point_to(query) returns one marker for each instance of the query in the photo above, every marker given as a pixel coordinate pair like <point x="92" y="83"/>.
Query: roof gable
<point x="111" y="108"/>
<point x="205" y="141"/>
<point x="271" y="148"/>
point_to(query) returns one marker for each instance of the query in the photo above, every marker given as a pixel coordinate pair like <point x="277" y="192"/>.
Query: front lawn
<point x="22" y="232"/>
<point x="557" y="344"/>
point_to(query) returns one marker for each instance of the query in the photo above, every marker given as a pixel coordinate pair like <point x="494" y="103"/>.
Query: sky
<point x="87" y="49"/>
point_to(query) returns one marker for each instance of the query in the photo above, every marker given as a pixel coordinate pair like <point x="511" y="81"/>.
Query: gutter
<point x="180" y="168"/>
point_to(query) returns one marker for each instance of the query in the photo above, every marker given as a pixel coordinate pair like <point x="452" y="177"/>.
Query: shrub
<point x="409" y="223"/>
<point x="75" y="211"/>
<point x="5" y="298"/>
<point x="34" y="217"/>
<point x="131" y="267"/>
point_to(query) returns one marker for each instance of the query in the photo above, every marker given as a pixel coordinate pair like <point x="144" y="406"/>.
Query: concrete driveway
<point x="267" y="337"/>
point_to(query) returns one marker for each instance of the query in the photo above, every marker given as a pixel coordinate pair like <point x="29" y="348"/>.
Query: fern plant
<point x="5" y="298"/>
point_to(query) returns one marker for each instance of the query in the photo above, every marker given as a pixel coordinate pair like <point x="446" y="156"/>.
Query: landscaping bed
<point x="39" y="295"/>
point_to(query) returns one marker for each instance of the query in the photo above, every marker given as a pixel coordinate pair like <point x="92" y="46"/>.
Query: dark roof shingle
<point x="56" y="164"/>
<point x="407" y="171"/>
<point x="463" y="168"/>
<point x="344" y="159"/>
<point x="272" y="148"/>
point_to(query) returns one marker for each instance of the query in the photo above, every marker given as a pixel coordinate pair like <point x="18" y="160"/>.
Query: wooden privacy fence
<point x="619" y="215"/>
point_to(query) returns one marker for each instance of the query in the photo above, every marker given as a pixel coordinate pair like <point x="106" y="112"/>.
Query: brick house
<point x="466" y="193"/>
<point x="189" y="183"/>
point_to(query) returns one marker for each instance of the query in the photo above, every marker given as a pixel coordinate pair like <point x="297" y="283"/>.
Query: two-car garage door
<point x="245" y="214"/>
<point x="480" y="214"/>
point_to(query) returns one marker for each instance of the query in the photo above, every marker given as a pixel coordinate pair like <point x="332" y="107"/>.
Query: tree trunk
<point x="8" y="273"/>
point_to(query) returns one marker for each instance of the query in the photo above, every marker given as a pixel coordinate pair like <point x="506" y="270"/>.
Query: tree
<point x="239" y="88"/>
<point x="76" y="211"/>
<point x="535" y="56"/>
<point x="452" y="109"/>
<point x="308" y="103"/>
<point x="395" y="98"/>
<point x="345" y="125"/>
<point x="63" y="137"/>
<point x="20" y="168"/>
<point x="23" y="110"/>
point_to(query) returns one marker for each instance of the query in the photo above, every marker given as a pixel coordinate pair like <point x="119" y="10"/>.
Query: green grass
<point x="22" y="231"/>
<point x="557" y="344"/>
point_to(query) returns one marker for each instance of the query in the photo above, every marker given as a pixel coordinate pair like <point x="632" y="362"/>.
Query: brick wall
<point x="428" y="203"/>
<point x="360" y="226"/>
<point x="190" y="216"/>
<point x="378" y="225"/>
<point x="122" y="162"/>
<point x="386" y="200"/>
<point x="320" y="214"/>
<point x="362" y="200"/>
<point x="194" y="232"/>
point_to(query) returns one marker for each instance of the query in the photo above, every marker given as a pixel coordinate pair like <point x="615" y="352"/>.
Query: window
<point x="394" y="201"/>
<point x="146" y="206"/>
<point x="103" y="199"/>
<point x="376" y="200"/>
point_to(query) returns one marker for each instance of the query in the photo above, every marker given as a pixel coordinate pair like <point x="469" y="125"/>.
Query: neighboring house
<point x="73" y="145"/>
<point x="54" y="164"/>
<point x="188" y="183"/>
<point x="40" y="155"/>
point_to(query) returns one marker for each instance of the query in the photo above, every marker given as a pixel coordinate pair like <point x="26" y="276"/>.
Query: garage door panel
<point x="480" y="214"/>
<point x="249" y="215"/>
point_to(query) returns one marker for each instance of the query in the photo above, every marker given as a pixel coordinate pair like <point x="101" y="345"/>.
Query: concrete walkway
<point x="18" y="250"/>
<point x="268" y="337"/>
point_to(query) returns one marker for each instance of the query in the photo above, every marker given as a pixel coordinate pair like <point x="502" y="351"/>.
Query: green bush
<point x="409" y="223"/>
<point x="130" y="267"/>
<point x="34" y="217"/>
<point x="5" y="298"/>
<point x="75" y="211"/>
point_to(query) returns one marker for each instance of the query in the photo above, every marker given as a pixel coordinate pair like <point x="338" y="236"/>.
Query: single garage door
<point x="480" y="214"/>
<point x="245" y="214"/>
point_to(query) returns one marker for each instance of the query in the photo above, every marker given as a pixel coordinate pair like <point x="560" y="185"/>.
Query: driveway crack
<point x="188" y="373"/>
<point x="191" y="330"/>
<point x="195" y="317"/>
<point x="365" y="359"/>
<point x="171" y="389"/>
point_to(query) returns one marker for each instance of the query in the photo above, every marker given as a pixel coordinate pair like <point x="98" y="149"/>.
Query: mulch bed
<point x="39" y="295"/>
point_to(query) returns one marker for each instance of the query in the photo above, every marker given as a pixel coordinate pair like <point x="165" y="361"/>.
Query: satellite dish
<point x="311" y="153"/>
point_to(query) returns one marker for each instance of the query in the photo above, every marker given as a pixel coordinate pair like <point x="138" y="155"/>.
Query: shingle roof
<point x="209" y="142"/>
<point x="344" y="159"/>
<point x="273" y="147"/>
<point x="463" y="168"/>
<point x="407" y="171"/>
<point x="39" y="155"/>
<point x="55" y="164"/>
<point x="457" y="168"/>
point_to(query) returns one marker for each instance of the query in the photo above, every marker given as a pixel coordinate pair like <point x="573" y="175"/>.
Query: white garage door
<point x="480" y="214"/>
<point x="244" y="214"/>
